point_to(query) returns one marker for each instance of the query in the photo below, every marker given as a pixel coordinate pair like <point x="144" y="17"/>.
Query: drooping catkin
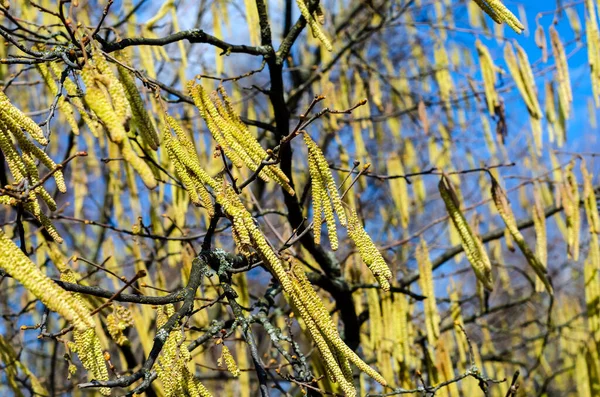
<point x="503" y="207"/>
<point x="473" y="247"/>
<point x="488" y="72"/>
<point x="432" y="317"/>
<point x="229" y="361"/>
<point x="570" y="199"/>
<point x="399" y="190"/>
<point x="369" y="252"/>
<point x="140" y="115"/>
<point x="325" y="193"/>
<point x="233" y="135"/>
<point x="314" y="25"/>
<point x="562" y="70"/>
<point x="87" y="346"/>
<point x="98" y="99"/>
<point x="593" y="47"/>
<point x="522" y="74"/>
<point x="22" y="269"/>
<point x="541" y="239"/>
<point x="305" y="296"/>
<point x="499" y="13"/>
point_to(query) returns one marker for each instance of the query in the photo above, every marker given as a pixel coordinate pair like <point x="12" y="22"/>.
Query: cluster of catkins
<point x="172" y="366"/>
<point x="15" y="127"/>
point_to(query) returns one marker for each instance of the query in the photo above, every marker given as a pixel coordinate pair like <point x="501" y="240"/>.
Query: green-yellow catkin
<point x="74" y="97"/>
<point x="230" y="363"/>
<point x="314" y="25"/>
<point x="442" y="71"/>
<point x="399" y="189"/>
<point x="499" y="13"/>
<point x="432" y="317"/>
<point x="140" y="115"/>
<point x="22" y="269"/>
<point x="562" y="71"/>
<point x="235" y="210"/>
<point x="138" y="164"/>
<point x="570" y="199"/>
<point x="10" y="114"/>
<point x="369" y="252"/>
<point x="304" y="297"/>
<point x="242" y="134"/>
<point x="324" y="190"/>
<point x="522" y="74"/>
<point x="472" y="246"/>
<point x="115" y="89"/>
<point x="503" y="207"/>
<point x="488" y="72"/>
<point x="541" y="239"/>
<point x="87" y="346"/>
<point x="97" y="98"/>
<point x="317" y="198"/>
<point x="593" y="47"/>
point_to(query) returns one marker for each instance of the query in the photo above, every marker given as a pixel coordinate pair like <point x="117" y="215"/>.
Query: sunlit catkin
<point x="503" y="207"/>
<point x="325" y="192"/>
<point x="140" y="115"/>
<point x="541" y="239"/>
<point x="369" y="252"/>
<point x="432" y="318"/>
<point x="87" y="346"/>
<point x="570" y="198"/>
<point x="499" y="13"/>
<point x="22" y="269"/>
<point x="473" y="247"/>
<point x="488" y="72"/>
<point x="314" y="25"/>
<point x="562" y="71"/>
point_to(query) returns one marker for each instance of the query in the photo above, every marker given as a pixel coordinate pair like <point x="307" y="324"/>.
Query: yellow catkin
<point x="22" y="269"/>
<point x="473" y="248"/>
<point x="432" y="318"/>
<point x="593" y="47"/>
<point x="488" y="72"/>
<point x="562" y="70"/>
<point x="113" y="85"/>
<point x="317" y="197"/>
<point x="305" y="294"/>
<point x="99" y="101"/>
<point x="503" y="207"/>
<point x="87" y="346"/>
<point x="314" y="25"/>
<point x="73" y="96"/>
<point x="399" y="189"/>
<point x="235" y="210"/>
<point x="10" y="112"/>
<point x="320" y="162"/>
<point x="140" y="115"/>
<point x="541" y="242"/>
<point x="249" y="143"/>
<point x="570" y="199"/>
<point x="369" y="252"/>
<point x="499" y="13"/>
<point x="138" y="164"/>
<point x="230" y="363"/>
